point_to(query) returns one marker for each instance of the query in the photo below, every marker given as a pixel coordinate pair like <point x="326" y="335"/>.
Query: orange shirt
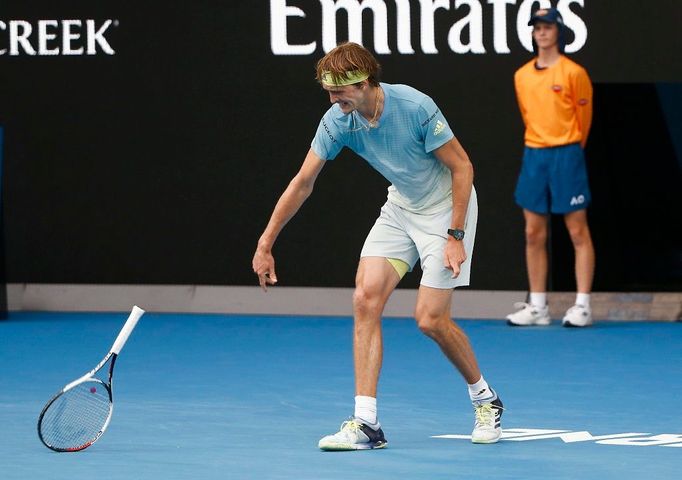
<point x="555" y="103"/>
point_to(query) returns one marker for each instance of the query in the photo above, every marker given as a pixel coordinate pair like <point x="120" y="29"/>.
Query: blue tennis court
<point x="248" y="397"/>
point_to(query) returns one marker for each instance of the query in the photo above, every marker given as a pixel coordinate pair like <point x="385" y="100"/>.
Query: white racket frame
<point x="118" y="344"/>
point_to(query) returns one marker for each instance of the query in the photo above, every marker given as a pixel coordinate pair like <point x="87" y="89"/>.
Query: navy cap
<point x="547" y="15"/>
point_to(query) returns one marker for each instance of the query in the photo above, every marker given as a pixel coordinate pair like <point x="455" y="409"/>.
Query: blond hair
<point x="348" y="57"/>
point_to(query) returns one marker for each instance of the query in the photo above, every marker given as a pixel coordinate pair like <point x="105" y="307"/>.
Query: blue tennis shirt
<point x="401" y="147"/>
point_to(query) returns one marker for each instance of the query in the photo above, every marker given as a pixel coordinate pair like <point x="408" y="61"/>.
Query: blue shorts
<point x="553" y="179"/>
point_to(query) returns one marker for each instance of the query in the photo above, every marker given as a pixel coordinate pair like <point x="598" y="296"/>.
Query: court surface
<point x="248" y="397"/>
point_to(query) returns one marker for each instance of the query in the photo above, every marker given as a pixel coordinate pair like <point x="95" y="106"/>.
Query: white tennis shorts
<point x="409" y="237"/>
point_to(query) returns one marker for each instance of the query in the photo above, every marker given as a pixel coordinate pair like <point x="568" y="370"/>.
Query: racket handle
<point x="127" y="329"/>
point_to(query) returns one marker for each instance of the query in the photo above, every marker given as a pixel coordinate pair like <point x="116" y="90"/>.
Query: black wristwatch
<point x="456" y="233"/>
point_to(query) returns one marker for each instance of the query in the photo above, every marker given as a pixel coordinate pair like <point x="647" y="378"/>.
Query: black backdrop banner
<point x="147" y="142"/>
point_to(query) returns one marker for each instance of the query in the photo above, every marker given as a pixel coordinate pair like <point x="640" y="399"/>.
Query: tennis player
<point x="555" y="98"/>
<point x="430" y="215"/>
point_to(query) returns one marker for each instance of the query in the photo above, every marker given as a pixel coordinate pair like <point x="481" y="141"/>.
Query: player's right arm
<point x="299" y="189"/>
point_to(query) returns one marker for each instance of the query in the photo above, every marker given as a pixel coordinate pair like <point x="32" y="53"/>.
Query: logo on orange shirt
<point x="583" y="101"/>
<point x="557" y="88"/>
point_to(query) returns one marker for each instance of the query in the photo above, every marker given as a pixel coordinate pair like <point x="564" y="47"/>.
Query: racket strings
<point x="77" y="417"/>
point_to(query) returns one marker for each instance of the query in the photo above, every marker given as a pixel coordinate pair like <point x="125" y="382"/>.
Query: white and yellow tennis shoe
<point x="354" y="435"/>
<point x="487" y="422"/>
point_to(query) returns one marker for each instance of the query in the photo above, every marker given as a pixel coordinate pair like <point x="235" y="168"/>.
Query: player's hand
<point x="264" y="266"/>
<point x="454" y="256"/>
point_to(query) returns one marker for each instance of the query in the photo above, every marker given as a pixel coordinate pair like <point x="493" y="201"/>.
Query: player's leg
<point x="580" y="315"/>
<point x="434" y="298"/>
<point x="375" y="281"/>
<point x="433" y="307"/>
<point x="532" y="194"/>
<point x="387" y="255"/>
<point x="432" y="313"/>
<point x="433" y="318"/>
<point x="535" y="312"/>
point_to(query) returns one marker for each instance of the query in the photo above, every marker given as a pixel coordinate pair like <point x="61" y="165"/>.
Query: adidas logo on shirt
<point x="440" y="126"/>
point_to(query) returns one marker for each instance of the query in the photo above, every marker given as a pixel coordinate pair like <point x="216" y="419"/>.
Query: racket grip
<point x="127" y="329"/>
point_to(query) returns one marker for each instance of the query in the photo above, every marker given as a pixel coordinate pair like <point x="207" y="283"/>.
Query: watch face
<point x="456" y="234"/>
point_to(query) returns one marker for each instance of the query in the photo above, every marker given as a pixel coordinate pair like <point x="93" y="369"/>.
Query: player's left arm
<point x="582" y="89"/>
<point x="453" y="156"/>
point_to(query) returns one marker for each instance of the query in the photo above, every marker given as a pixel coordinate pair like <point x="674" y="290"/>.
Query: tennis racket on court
<point x="79" y="414"/>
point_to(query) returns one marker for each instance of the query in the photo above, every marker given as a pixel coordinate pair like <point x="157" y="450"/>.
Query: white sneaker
<point x="577" y="316"/>
<point x="354" y="435"/>
<point x="529" y="315"/>
<point x="487" y="427"/>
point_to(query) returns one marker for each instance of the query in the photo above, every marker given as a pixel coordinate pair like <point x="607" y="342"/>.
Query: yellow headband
<point x="349" y="78"/>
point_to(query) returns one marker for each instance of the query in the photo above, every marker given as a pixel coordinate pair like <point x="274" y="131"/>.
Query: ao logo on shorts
<point x="579" y="200"/>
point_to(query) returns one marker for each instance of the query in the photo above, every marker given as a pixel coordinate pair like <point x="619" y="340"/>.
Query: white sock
<point x="480" y="390"/>
<point x="583" y="299"/>
<point x="366" y="409"/>
<point x="538" y="299"/>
